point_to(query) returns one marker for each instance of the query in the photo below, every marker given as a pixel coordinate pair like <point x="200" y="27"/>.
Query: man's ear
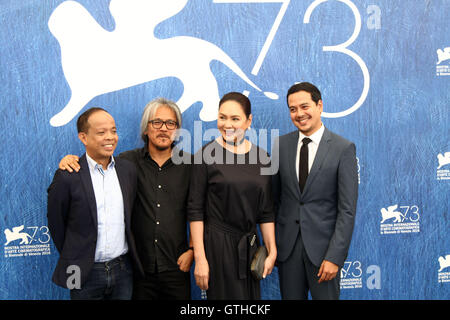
<point x="82" y="136"/>
<point x="320" y="105"/>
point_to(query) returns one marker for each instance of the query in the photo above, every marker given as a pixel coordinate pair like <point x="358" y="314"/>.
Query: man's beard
<point x="163" y="148"/>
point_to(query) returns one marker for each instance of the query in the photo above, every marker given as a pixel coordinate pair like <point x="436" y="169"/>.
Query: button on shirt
<point x="111" y="240"/>
<point x="159" y="216"/>
<point x="312" y="147"/>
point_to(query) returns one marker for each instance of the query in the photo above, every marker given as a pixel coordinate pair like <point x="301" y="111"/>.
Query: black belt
<point x="246" y="245"/>
<point x="109" y="263"/>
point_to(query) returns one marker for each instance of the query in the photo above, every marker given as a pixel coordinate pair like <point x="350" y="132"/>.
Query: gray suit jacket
<point x="325" y="211"/>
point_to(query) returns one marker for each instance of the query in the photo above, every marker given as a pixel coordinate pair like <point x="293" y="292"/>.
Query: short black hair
<point x="239" y="98"/>
<point x="82" y="122"/>
<point x="305" y="86"/>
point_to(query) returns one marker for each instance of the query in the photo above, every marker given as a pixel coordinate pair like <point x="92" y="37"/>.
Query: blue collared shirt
<point x="111" y="240"/>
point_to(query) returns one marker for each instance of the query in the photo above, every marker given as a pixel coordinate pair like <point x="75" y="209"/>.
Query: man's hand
<point x="185" y="260"/>
<point x="328" y="271"/>
<point x="69" y="163"/>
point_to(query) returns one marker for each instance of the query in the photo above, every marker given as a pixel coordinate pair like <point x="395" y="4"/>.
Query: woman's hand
<point x="268" y="233"/>
<point x="69" y="163"/>
<point x="201" y="273"/>
<point x="269" y="263"/>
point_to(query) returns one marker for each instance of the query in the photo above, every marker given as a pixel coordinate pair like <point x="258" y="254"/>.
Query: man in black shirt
<point x="159" y="215"/>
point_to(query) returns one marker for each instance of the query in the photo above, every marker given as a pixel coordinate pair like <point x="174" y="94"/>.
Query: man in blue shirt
<point x="159" y="214"/>
<point x="89" y="216"/>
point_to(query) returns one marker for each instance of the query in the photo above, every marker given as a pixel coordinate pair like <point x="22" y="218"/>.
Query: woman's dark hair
<point x="239" y="98"/>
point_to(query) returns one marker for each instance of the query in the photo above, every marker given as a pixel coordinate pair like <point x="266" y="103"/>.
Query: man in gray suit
<point x="315" y="195"/>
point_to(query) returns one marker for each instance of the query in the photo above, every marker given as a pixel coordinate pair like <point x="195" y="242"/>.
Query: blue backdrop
<point x="383" y="68"/>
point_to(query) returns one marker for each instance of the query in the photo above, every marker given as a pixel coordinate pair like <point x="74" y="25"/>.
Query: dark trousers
<point x="112" y="280"/>
<point x="167" y="285"/>
<point x="298" y="276"/>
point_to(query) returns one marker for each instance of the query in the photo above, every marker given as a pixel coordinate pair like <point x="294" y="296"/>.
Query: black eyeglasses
<point x="158" y="123"/>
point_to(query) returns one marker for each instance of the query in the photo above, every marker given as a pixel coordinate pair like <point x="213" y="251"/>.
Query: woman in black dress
<point x="228" y="197"/>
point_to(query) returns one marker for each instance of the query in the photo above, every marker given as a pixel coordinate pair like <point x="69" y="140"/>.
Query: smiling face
<point x="305" y="113"/>
<point x="100" y="139"/>
<point x="232" y="121"/>
<point x="161" y="138"/>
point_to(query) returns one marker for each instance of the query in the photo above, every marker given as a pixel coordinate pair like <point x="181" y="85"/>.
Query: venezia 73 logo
<point x="96" y="61"/>
<point x="41" y="234"/>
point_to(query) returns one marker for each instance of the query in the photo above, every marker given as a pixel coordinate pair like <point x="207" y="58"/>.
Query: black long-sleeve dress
<point x="229" y="193"/>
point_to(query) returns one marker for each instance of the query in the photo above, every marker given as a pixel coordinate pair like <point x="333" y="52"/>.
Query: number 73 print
<point x="342" y="48"/>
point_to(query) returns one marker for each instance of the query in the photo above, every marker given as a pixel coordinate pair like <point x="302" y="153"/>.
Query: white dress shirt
<point x="111" y="240"/>
<point x="312" y="147"/>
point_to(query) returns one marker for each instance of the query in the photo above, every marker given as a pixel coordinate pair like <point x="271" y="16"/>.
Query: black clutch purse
<point x="257" y="265"/>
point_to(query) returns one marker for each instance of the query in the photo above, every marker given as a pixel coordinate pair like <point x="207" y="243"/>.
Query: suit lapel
<point x="86" y="181"/>
<point x="292" y="156"/>
<point x="122" y="182"/>
<point x="322" y="151"/>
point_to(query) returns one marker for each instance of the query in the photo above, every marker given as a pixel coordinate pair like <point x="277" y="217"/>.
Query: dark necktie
<point x="303" y="165"/>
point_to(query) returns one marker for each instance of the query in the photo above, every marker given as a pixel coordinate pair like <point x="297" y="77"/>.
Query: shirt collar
<point x="94" y="165"/>
<point x="145" y="154"/>
<point x="315" y="137"/>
